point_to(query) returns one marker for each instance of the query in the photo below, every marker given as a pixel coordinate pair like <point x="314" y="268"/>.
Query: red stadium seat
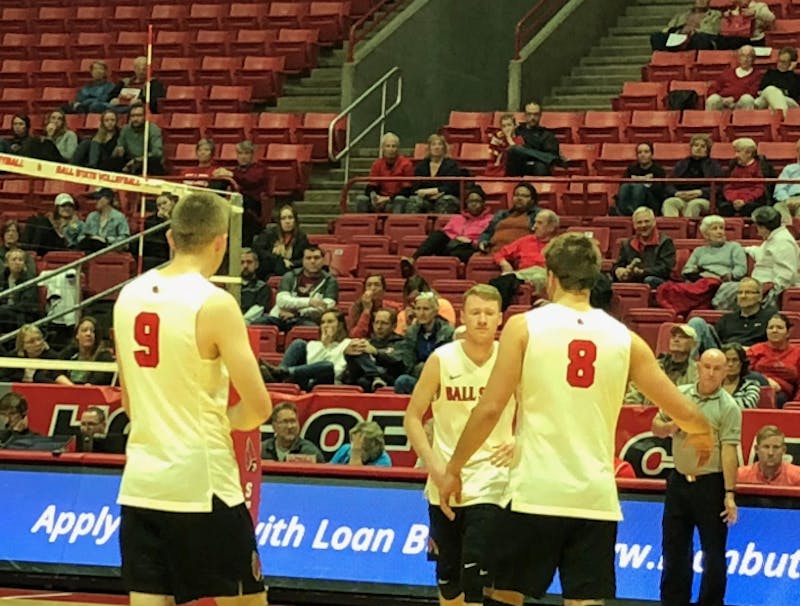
<point x="178" y="70"/>
<point x="481" y="268"/>
<point x="581" y="158"/>
<point x="674" y="227"/>
<point x="370" y="244"/>
<point x="627" y="296"/>
<point x="17" y="46"/>
<point x="549" y="194"/>
<point x="387" y="265"/>
<point x="564" y="125"/>
<point x="649" y="126"/>
<point x="172" y="43"/>
<point x="53" y="19"/>
<point x="342" y="259"/>
<point x="131" y="43"/>
<point x="128" y="19"/>
<point x="214" y="42"/>
<point x="242" y="15"/>
<point x="665" y="66"/>
<point x="709" y="315"/>
<point x="219" y="70"/>
<point x="206" y="16"/>
<point x="438" y="268"/>
<point x="330" y="18"/>
<point x="168" y="16"/>
<point x="700" y="122"/>
<point x="230" y="128"/>
<point x="409" y="245"/>
<point x="350" y="289"/>
<point x="255" y="42"/>
<point x="187" y="128"/>
<point x="474" y="157"/>
<point x="299" y="47"/>
<point x="587" y="199"/>
<point x="286" y="14"/>
<point x="347" y="226"/>
<point x="107" y="271"/>
<point x="647" y="321"/>
<point x="267" y="338"/>
<point x="314" y="131"/>
<point x="185" y="156"/>
<point x="183" y="99"/>
<point x="669" y="154"/>
<point x="57" y="72"/>
<point x="603" y="127"/>
<point x="779" y="153"/>
<point x="790" y="299"/>
<point x="758" y="124"/>
<point x="789" y="128"/>
<point x="275" y="128"/>
<point x="710" y="63"/>
<point x="615" y="158"/>
<point x="92" y="45"/>
<point x="766" y="398"/>
<point x="17" y="19"/>
<point x="291" y="166"/>
<point x="784" y="32"/>
<point x="53" y="46"/>
<point x="466" y="127"/>
<point x="17" y="72"/>
<point x="641" y="95"/>
<point x="618" y="227"/>
<point x="397" y="226"/>
<point x="265" y="75"/>
<point x="601" y="234"/>
<point x="452" y="290"/>
<point x="51" y="98"/>
<point x="698" y="86"/>
<point x="307" y="333"/>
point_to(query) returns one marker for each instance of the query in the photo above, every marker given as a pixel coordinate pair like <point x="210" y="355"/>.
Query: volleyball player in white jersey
<point x="451" y="383"/>
<point x="185" y="531"/>
<point x="570" y="365"/>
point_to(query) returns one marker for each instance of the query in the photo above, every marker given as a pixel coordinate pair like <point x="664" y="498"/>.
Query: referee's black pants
<point x="689" y="505"/>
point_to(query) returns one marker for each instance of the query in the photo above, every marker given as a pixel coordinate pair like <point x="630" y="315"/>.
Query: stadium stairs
<point x="617" y="58"/>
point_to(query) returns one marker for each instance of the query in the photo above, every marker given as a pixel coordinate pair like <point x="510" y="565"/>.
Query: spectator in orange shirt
<point x="777" y="359"/>
<point x="770" y="468"/>
<point x="387" y="196"/>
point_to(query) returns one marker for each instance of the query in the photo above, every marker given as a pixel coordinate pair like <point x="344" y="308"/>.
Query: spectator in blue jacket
<point x="93" y="97"/>
<point x="104" y="226"/>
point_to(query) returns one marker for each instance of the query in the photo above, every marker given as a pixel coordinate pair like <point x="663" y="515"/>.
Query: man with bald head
<point x="701" y="497"/>
<point x="736" y="87"/>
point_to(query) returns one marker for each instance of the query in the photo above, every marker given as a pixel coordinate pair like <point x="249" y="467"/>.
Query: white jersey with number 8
<point x="574" y="375"/>
<point x="180" y="452"/>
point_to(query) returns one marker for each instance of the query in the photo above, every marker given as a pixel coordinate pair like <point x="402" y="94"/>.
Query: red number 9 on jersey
<point x="582" y="356"/>
<point x="145" y="331"/>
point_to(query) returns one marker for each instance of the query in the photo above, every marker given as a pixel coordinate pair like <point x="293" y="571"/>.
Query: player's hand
<point x="730" y="514"/>
<point x="449" y="488"/>
<point x="703" y="444"/>
<point x="503" y="455"/>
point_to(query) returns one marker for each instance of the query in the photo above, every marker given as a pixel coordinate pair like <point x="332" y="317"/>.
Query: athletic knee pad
<point x="473" y="579"/>
<point x="449" y="588"/>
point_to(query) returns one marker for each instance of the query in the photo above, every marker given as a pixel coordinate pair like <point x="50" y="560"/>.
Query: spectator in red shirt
<point x="742" y="198"/>
<point x="500" y="143"/>
<point x="777" y="359"/>
<point x="770" y="468"/>
<point x="459" y="238"/>
<point x="252" y="179"/>
<point x="362" y="311"/>
<point x="387" y="196"/>
<point x="736" y="87"/>
<point x="202" y="174"/>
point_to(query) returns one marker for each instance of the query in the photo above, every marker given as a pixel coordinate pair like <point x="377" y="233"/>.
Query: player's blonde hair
<point x="485" y="292"/>
<point x="574" y="259"/>
<point x="197" y="219"/>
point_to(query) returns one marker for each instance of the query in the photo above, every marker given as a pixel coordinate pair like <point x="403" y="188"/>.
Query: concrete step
<point x="313" y="89"/>
<point x="308" y="103"/>
<point x="634" y="30"/>
<point x="322" y="195"/>
<point x="611" y="59"/>
<point x="337" y="174"/>
<point x="323" y="207"/>
<point x="655" y="21"/>
<point x="320" y="220"/>
<point x="617" y="52"/>
<point x="319" y="183"/>
<point x="327" y="73"/>
<point x="330" y="61"/>
<point x="314" y="82"/>
<point x="624" y="42"/>
<point x="591" y="80"/>
<point x="578" y="102"/>
<point x="621" y="72"/>
<point x="609" y="89"/>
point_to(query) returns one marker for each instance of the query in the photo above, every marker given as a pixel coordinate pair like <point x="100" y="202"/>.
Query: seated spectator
<point x="130" y="145"/>
<point x="539" y="150"/>
<point x="388" y="196"/>
<point x="30" y="344"/>
<point x="10" y="241"/>
<point x="412" y="287"/>
<point x="156" y="248"/>
<point x="744" y="23"/>
<point x="780" y="86"/>
<point x="770" y="468"/>
<point x="286" y="443"/>
<point x="677" y="362"/>
<point x="459" y="238"/>
<point x="309" y="363"/>
<point x="280" y="247"/>
<point x="87" y="346"/>
<point x="699" y="25"/>
<point x="203" y="174"/>
<point x="93" y="97"/>
<point x="256" y="294"/>
<point x="740" y="199"/>
<point x="511" y="224"/>
<point x="747" y="325"/>
<point x="366" y="447"/>
<point x="777" y="359"/>
<point x="649" y="256"/>
<point x="58" y="144"/>
<point x="499" y="144"/>
<point x="22" y="306"/>
<point x="103" y="144"/>
<point x="421" y="338"/>
<point x="643" y="192"/>
<point x="362" y="312"/>
<point x="736" y="87"/>
<point x="440" y="197"/>
<point x="21" y="141"/>
<point x="373" y="362"/>
<point x="14" y="417"/>
<point x="133" y="89"/>
<point x="777" y="259"/>
<point x="717" y="261"/>
<point x="523" y="259"/>
<point x="94" y="436"/>
<point x="304" y="294"/>
<point x="105" y="225"/>
<point x="739" y="381"/>
<point x="252" y="179"/>
<point x="692" y="199"/>
<point x="60" y="230"/>
<point x="787" y="195"/>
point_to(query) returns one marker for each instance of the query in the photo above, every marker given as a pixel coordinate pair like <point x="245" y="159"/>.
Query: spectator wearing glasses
<point x="286" y="443"/>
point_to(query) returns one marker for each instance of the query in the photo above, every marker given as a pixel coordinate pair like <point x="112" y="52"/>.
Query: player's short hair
<point x="768" y="431"/>
<point x="574" y="259"/>
<point x="280" y="407"/>
<point x="197" y="219"/>
<point x="485" y="292"/>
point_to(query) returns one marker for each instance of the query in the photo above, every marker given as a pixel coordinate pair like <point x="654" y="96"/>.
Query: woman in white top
<point x="309" y="363"/>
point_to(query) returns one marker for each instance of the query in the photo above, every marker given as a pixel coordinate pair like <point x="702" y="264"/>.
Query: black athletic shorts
<point x="529" y="548"/>
<point x="462" y="546"/>
<point x="190" y="555"/>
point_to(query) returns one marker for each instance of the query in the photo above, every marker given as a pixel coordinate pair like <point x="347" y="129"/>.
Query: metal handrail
<point x="356" y="37"/>
<point x="537" y="18"/>
<point x="382" y="83"/>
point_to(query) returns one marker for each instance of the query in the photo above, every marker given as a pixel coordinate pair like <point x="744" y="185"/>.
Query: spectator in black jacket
<point x="156" y="248"/>
<point x="540" y="150"/>
<point x="87" y="346"/>
<point x="780" y="86"/>
<point x="256" y="294"/>
<point x="692" y="199"/>
<point x="641" y="192"/>
<point x="435" y="195"/>
<point x="31" y="344"/>
<point x="22" y="306"/>
<point x="280" y="247"/>
<point x="376" y="363"/>
<point x="648" y="256"/>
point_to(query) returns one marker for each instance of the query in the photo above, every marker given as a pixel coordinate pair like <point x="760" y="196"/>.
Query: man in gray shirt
<point x="130" y="145"/>
<point x="702" y="496"/>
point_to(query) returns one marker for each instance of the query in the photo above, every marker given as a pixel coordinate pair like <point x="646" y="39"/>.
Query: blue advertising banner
<point x="333" y="530"/>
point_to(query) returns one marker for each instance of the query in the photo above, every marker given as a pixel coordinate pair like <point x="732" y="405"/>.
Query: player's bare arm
<point x="124" y="399"/>
<point x="221" y="330"/>
<point x="501" y="386"/>
<point x="662" y="428"/>
<point x="424" y="393"/>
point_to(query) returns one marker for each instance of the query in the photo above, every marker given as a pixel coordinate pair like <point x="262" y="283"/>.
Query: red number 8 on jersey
<point x="582" y="356"/>
<point x="145" y="331"/>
